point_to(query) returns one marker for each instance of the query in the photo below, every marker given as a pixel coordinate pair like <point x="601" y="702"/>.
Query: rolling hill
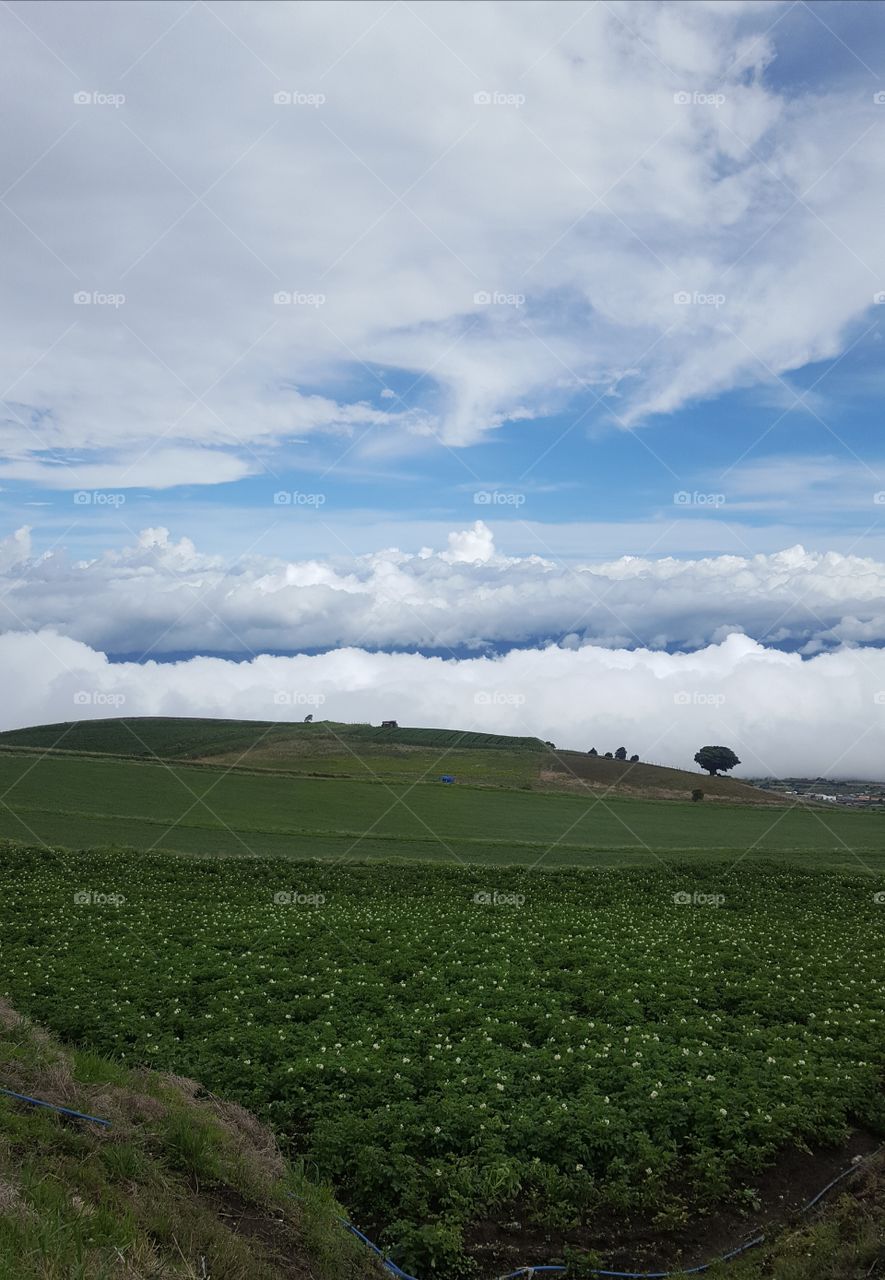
<point x="371" y="799"/>
<point x="331" y="749"/>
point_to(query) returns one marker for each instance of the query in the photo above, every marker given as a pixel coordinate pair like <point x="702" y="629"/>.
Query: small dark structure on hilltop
<point x="389" y="724"/>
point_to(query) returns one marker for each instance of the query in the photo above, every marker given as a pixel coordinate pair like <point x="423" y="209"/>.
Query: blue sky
<point x="589" y="206"/>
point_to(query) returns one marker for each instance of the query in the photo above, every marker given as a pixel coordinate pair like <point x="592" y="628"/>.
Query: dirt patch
<point x="560" y="780"/>
<point x="278" y="1239"/>
<point x="635" y="1244"/>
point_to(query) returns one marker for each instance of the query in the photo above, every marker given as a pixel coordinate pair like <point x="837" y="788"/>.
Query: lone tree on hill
<point x="715" y="758"/>
<point x="621" y="753"/>
<point x="634" y="759"/>
<point x="592" y="752"/>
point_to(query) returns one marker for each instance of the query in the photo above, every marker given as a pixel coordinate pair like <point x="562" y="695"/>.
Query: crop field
<point x="88" y="802"/>
<point x="451" y="1046"/>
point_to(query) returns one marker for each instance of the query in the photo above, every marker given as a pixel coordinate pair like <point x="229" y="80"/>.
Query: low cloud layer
<point x="160" y="595"/>
<point x="780" y="713"/>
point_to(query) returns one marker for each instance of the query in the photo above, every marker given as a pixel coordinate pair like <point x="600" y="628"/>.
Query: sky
<point x="441" y="335"/>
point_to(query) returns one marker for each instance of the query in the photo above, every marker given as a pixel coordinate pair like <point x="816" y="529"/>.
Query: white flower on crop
<point x="722" y="1111"/>
<point x="653" y="1094"/>
<point x="579" y="1167"/>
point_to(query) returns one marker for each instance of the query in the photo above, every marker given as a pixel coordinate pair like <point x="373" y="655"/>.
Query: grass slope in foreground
<point x="451" y="1046"/>
<point x="178" y="1187"/>
<point x="88" y="801"/>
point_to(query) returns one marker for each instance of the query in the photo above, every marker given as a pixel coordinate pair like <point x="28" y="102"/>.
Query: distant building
<point x="389" y="724"/>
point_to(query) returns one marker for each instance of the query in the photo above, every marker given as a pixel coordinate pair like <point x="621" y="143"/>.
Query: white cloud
<point x="396" y="201"/>
<point x="782" y="714"/>
<point x="159" y="594"/>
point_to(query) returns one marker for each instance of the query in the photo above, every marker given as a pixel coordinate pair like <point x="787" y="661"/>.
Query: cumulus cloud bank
<point x="161" y="595"/>
<point x="476" y="212"/>
<point x="782" y="714"/>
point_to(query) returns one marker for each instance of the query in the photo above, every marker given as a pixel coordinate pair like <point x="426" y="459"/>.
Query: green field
<point x="508" y="1000"/>
<point x="85" y="802"/>
<point x="452" y="1045"/>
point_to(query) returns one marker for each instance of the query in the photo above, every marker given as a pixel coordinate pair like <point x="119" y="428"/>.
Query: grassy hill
<point x="578" y="769"/>
<point x="180" y="1185"/>
<point x="88" y="801"/>
<point x="331" y="749"/>
<point x="185" y="738"/>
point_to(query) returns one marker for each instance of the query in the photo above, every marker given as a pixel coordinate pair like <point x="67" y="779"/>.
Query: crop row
<point x="447" y="1044"/>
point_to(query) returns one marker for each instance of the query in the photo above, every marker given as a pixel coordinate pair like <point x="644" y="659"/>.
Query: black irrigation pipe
<point x="65" y="1111"/>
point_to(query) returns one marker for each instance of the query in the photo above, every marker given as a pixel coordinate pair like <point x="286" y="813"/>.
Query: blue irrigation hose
<point x="610" y="1275"/>
<point x="647" y="1275"/>
<point x="65" y="1111"/>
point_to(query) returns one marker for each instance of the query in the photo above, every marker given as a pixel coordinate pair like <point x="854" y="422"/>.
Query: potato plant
<point x="447" y="1043"/>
